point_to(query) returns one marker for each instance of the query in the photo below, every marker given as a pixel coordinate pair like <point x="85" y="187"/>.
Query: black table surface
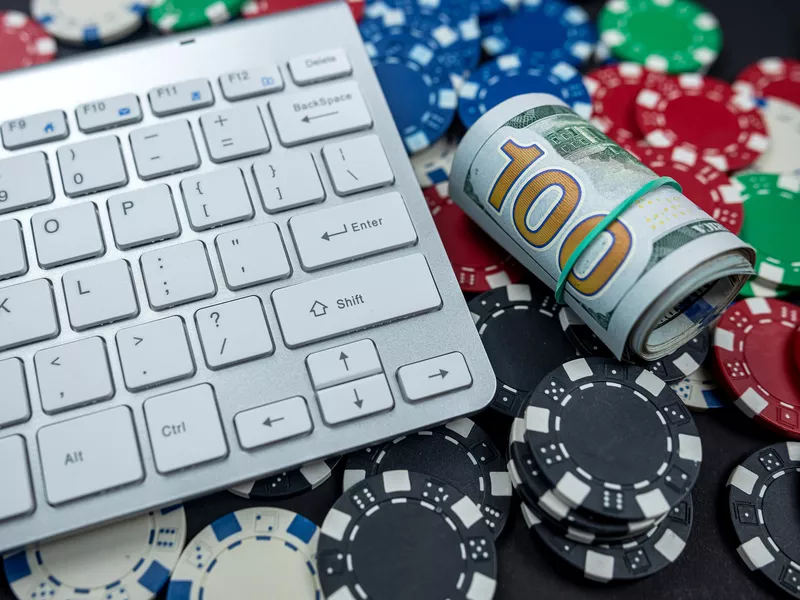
<point x="709" y="568"/>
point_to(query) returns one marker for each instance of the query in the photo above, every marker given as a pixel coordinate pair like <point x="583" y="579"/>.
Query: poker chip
<point x="705" y="118"/>
<point x="511" y="75"/>
<point x="88" y="22"/>
<point x="509" y="319"/>
<point x="581" y="336"/>
<point x="404" y="534"/>
<point x="493" y="8"/>
<point x="548" y="32"/>
<point x="459" y="453"/>
<point x="666" y="36"/>
<point x="134" y="557"/>
<point x="755" y="287"/>
<point x="180" y="15"/>
<point x="772" y="212"/>
<point x="796" y="347"/>
<point x="763" y="501"/>
<point x="682" y="362"/>
<point x="753" y="352"/>
<point x="698" y="390"/>
<point x="771" y="77"/>
<point x="651" y="450"/>
<point x="260" y="8"/>
<point x="246" y="553"/>
<point x="288" y="483"/>
<point x="783" y="126"/>
<point x="432" y="166"/>
<point x="23" y="42"/>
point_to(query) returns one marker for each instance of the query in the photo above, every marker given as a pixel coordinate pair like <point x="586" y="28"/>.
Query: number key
<point x="92" y="166"/>
<point x="25" y="181"/>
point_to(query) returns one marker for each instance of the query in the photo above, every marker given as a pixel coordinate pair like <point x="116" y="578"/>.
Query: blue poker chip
<point x="549" y="31"/>
<point x="459" y="10"/>
<point x="493" y="8"/>
<point x="512" y="75"/>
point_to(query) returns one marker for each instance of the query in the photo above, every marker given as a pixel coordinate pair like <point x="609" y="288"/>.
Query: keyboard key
<point x="288" y="181"/>
<point x="13" y="259"/>
<point x="164" y="149"/>
<point x="434" y="377"/>
<point x="155" y="353"/>
<point x="185" y="429"/>
<point x="234" y="332"/>
<point x="343" y="364"/>
<point x="143" y="216"/>
<point x="27" y="314"/>
<point x="356" y="299"/>
<point x="234" y="133"/>
<point x="177" y="275"/>
<point x="73" y="375"/>
<point x="247" y="83"/>
<point x="320" y="66"/>
<point x="25" y="181"/>
<point x="100" y="294"/>
<point x="68" y="234"/>
<point x="180" y="97"/>
<point x="320" y="112"/>
<point x="92" y="166"/>
<point x="355" y="400"/>
<point x="252" y="256"/>
<point x="357" y="165"/>
<point x="15" y="406"/>
<point x="34" y="129"/>
<point x="273" y="422"/>
<point x="17" y="497"/>
<point x="217" y="198"/>
<point x="89" y="455"/>
<point x="108" y="113"/>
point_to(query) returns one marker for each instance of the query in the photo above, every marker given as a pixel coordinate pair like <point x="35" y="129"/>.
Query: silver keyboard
<point x="215" y="264"/>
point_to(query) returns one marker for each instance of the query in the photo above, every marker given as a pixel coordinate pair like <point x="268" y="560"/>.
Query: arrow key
<point x="343" y="363"/>
<point x="355" y="400"/>
<point x="273" y="422"/>
<point x="435" y="376"/>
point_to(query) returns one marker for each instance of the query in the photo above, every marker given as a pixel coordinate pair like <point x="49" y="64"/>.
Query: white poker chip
<point x="783" y="125"/>
<point x="698" y="390"/>
<point x="90" y="22"/>
<point x="262" y="552"/>
<point x="130" y="560"/>
<point x="433" y="165"/>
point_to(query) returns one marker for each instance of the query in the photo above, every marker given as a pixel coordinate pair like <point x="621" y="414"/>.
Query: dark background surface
<point x="709" y="567"/>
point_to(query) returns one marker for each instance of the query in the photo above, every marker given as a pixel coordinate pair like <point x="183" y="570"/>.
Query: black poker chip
<point x="402" y="535"/>
<point x="288" y="483"/>
<point x="519" y="327"/>
<point x="581" y="336"/>
<point x="684" y="361"/>
<point x="459" y="453"/>
<point x="764" y="504"/>
<point x="613" y="439"/>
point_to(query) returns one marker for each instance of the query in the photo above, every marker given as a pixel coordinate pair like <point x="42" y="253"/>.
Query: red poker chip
<point x="23" y="42"/>
<point x="478" y="262"/>
<point x="259" y="8"/>
<point x="753" y="350"/>
<point x="771" y="77"/>
<point x="705" y="118"/>
<point x="796" y="348"/>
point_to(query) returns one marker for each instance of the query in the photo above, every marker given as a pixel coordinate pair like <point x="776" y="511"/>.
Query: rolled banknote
<point x="538" y="178"/>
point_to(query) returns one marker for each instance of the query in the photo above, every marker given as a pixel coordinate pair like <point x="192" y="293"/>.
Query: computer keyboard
<point x="215" y="264"/>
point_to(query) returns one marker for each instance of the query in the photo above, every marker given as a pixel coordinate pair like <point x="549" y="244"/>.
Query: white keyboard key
<point x="301" y="118"/>
<point x="164" y="149"/>
<point x="155" y="353"/>
<point x="14" y="405"/>
<point x="89" y="455"/>
<point x="434" y="377"/>
<point x="247" y="83"/>
<point x="108" y="112"/>
<point x="343" y="364"/>
<point x="252" y="256"/>
<point x="323" y="308"/>
<point x="100" y="294"/>
<point x="25" y="181"/>
<point x="217" y="198"/>
<point x="357" y="165"/>
<point x="180" y="97"/>
<point x="17" y="497"/>
<point x="13" y="259"/>
<point x="185" y="429"/>
<point x="27" y="314"/>
<point x="234" y="332"/>
<point x="177" y="275"/>
<point x="73" y="375"/>
<point x="320" y="66"/>
<point x="68" y="234"/>
<point x="92" y="166"/>
<point x="234" y="133"/>
<point x="353" y="230"/>
<point x="34" y="129"/>
<point x="287" y="181"/>
<point x="355" y="400"/>
<point x="143" y="216"/>
<point x="273" y="422"/>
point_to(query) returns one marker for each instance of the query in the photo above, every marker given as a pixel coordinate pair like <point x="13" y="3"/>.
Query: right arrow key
<point x="434" y="377"/>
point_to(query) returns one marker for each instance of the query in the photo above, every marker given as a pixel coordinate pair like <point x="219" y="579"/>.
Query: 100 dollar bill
<point x="537" y="178"/>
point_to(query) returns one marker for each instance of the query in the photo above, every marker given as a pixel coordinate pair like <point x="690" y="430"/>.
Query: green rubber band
<point x="601" y="226"/>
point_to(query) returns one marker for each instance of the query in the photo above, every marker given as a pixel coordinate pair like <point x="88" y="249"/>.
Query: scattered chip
<point x="755" y="287"/>
<point x="698" y="390"/>
<point x="288" y="483"/>
<point x="783" y="126"/>
<point x="581" y="336"/>
<point x="432" y="166"/>
<point x="134" y="557"/>
<point x="494" y="8"/>
<point x="180" y="15"/>
<point x="772" y="77"/>
<point x="796" y="347"/>
<point x="259" y="8"/>
<point x="682" y="362"/>
<point x="23" y="42"/>
<point x="89" y="22"/>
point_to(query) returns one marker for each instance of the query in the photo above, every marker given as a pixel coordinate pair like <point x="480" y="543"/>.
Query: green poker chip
<point x="771" y="215"/>
<point x="180" y="15"/>
<point x="760" y="288"/>
<point x="667" y="36"/>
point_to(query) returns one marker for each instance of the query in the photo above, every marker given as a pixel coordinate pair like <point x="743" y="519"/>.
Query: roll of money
<point x="538" y="178"/>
